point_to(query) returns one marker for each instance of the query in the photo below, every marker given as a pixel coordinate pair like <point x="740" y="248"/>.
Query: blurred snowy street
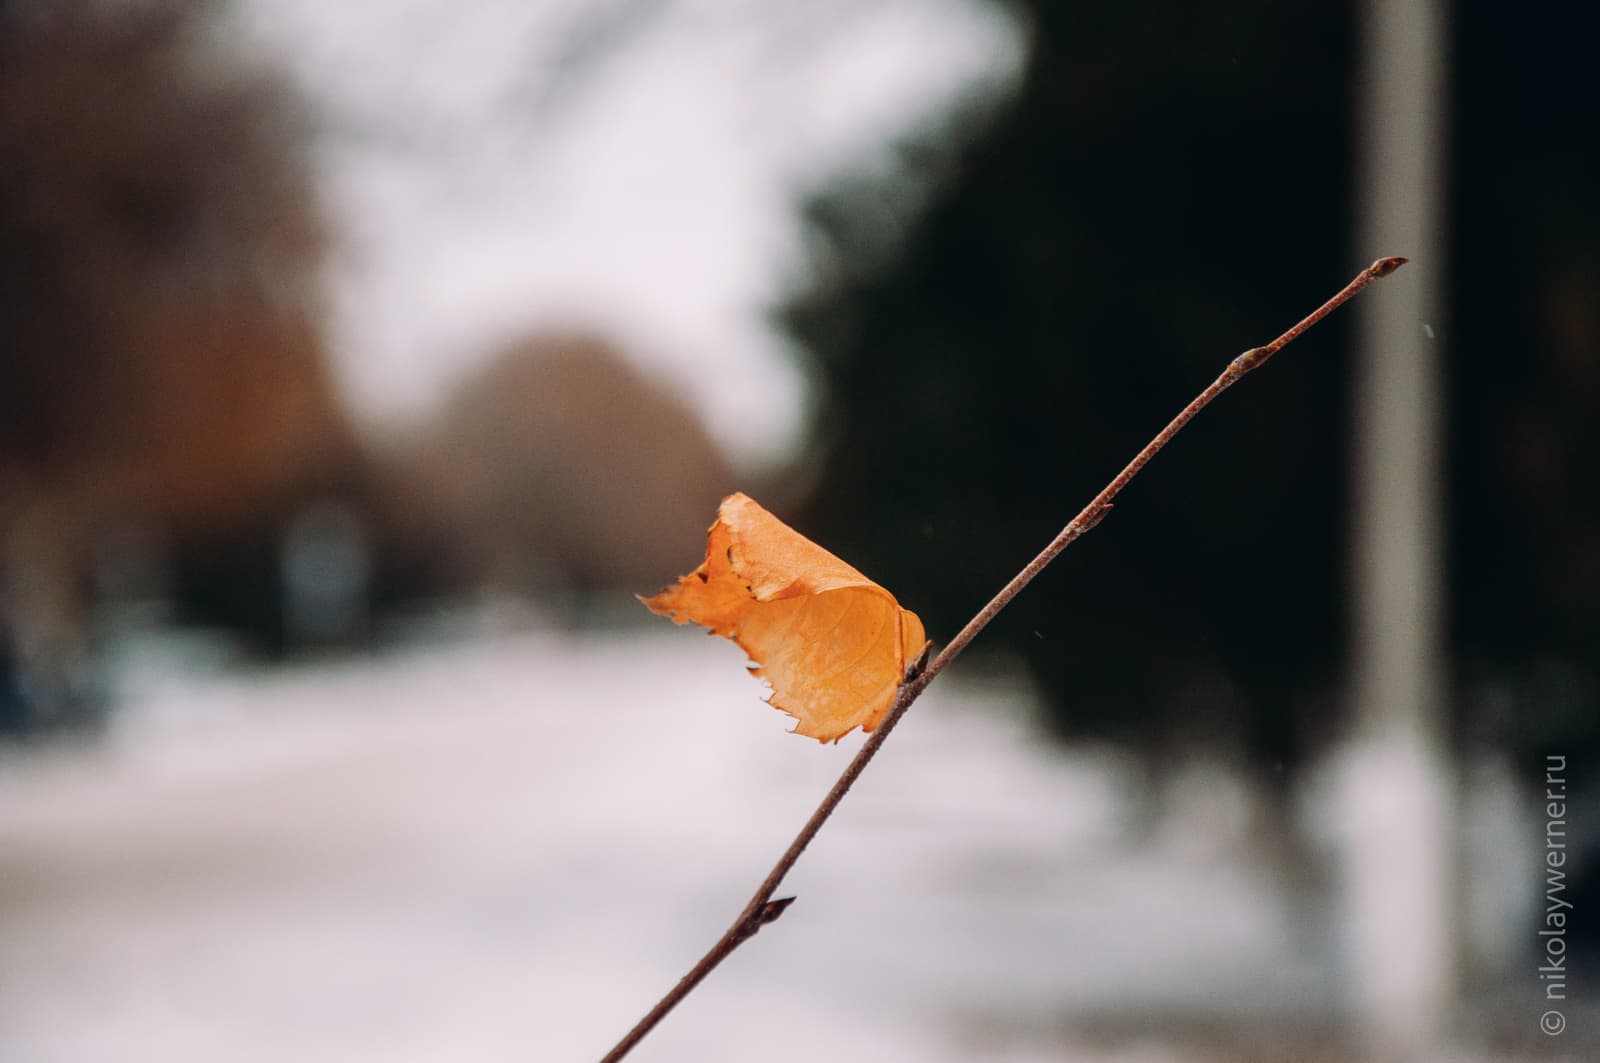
<point x="505" y="849"/>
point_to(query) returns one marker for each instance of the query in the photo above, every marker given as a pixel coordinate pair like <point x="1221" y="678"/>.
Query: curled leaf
<point x="833" y="645"/>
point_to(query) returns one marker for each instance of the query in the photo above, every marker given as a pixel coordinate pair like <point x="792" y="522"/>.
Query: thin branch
<point x="762" y="909"/>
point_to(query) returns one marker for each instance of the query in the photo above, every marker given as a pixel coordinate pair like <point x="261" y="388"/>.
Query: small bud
<point x="1250" y="359"/>
<point x="773" y="909"/>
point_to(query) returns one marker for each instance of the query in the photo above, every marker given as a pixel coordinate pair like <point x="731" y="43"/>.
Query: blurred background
<point x="358" y="364"/>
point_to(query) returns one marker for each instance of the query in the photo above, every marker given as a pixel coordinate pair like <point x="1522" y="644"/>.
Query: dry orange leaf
<point x="833" y="644"/>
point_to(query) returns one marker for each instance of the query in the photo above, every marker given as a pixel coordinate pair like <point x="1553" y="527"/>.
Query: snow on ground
<point x="506" y="848"/>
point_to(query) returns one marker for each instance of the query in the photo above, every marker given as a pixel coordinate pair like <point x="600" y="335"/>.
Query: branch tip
<point x="1385" y="266"/>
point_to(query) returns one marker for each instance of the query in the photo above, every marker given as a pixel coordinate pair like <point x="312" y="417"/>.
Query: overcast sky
<point x="493" y="166"/>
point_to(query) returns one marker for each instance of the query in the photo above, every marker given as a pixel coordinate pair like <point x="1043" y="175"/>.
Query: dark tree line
<point x="1174" y="184"/>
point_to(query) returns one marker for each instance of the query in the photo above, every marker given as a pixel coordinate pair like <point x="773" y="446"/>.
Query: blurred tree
<point x="162" y="368"/>
<point x="1524" y="362"/>
<point x="558" y="467"/>
<point x="1170" y="187"/>
<point x="160" y="247"/>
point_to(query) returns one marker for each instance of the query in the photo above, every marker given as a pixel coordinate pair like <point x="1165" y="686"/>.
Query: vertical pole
<point x="1397" y="821"/>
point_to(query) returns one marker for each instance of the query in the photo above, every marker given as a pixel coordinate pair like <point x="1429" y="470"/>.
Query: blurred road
<point x="507" y="848"/>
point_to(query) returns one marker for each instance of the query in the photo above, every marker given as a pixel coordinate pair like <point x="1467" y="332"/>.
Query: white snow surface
<point x="506" y="848"/>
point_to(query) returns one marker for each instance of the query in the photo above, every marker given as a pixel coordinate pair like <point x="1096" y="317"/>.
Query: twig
<point x="762" y="909"/>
